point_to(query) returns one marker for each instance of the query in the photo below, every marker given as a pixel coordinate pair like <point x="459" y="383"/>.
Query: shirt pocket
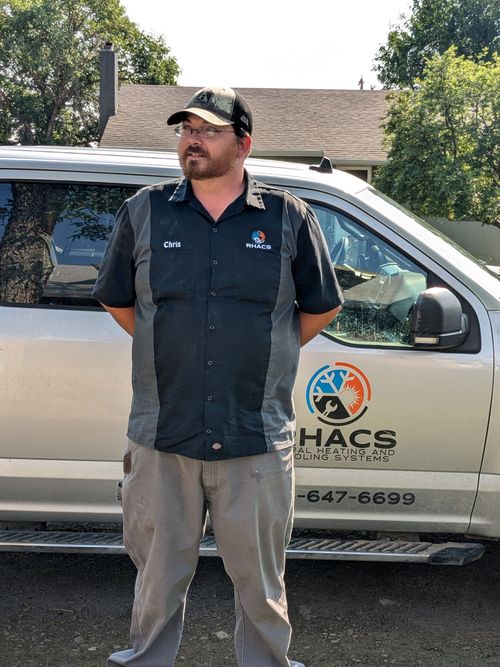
<point x="172" y="273"/>
<point x="257" y="274"/>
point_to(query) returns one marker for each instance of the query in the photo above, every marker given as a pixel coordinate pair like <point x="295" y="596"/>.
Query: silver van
<point x="397" y="402"/>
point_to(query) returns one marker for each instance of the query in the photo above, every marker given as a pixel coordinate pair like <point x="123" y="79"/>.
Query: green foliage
<point x="443" y="140"/>
<point x="49" y="66"/>
<point x="473" y="26"/>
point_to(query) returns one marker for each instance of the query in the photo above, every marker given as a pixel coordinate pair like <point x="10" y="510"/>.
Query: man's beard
<point x="205" y="168"/>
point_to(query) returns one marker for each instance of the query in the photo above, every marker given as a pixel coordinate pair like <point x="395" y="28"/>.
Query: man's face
<point x="201" y="158"/>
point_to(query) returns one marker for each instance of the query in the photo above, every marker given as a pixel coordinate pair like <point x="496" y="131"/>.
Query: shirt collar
<point x="183" y="191"/>
<point x="252" y="193"/>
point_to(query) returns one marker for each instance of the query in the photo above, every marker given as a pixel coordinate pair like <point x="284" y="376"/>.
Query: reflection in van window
<point x="380" y="284"/>
<point x="52" y="240"/>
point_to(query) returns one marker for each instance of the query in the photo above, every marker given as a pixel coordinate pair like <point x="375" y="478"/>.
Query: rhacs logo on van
<point x="338" y="395"/>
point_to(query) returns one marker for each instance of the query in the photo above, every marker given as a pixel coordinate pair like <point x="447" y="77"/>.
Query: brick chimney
<point x="108" y="89"/>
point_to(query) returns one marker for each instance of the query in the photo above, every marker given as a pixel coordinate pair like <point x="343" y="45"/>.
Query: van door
<point x="64" y="364"/>
<point x="388" y="437"/>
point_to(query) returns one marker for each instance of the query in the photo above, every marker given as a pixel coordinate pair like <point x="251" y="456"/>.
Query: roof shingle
<point x="344" y="125"/>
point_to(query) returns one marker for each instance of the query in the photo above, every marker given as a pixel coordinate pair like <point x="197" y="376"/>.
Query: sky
<point x="272" y="43"/>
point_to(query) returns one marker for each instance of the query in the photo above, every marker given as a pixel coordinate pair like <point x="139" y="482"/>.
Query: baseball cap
<point x="220" y="106"/>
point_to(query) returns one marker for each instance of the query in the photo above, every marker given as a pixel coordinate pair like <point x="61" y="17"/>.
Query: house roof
<point x="341" y="124"/>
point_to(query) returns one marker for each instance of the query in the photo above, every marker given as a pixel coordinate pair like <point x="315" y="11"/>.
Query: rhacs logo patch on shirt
<point x="258" y="241"/>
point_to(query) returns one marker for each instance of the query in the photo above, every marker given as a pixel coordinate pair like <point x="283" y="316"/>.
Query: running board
<point x="449" y="553"/>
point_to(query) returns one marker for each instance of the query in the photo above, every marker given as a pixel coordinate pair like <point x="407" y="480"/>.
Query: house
<point x="289" y="124"/>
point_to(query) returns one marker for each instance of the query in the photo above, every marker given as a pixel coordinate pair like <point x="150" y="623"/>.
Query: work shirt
<point x="216" y="341"/>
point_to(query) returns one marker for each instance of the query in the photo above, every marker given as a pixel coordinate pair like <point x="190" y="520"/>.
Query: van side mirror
<point x="438" y="321"/>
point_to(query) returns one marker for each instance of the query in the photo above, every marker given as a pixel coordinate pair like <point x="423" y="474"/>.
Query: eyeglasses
<point x="205" y="131"/>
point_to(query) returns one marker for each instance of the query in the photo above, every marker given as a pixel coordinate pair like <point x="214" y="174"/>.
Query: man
<point x="219" y="279"/>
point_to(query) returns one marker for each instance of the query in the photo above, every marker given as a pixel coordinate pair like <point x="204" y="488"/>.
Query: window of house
<point x="52" y="240"/>
<point x="359" y="173"/>
<point x="380" y="284"/>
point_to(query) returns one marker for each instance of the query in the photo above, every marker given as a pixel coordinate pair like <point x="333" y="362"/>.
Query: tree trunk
<point x="25" y="263"/>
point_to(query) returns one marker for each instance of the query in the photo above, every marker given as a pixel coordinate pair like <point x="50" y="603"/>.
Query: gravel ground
<point x="60" y="610"/>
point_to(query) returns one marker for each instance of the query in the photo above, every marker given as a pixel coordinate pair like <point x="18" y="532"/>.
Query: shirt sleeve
<point x="317" y="288"/>
<point x="115" y="285"/>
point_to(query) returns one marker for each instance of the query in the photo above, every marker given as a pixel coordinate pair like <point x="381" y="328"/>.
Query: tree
<point x="49" y="66"/>
<point x="443" y="140"/>
<point x="435" y="25"/>
<point x="32" y="211"/>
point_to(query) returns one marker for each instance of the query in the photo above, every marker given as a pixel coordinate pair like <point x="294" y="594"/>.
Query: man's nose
<point x="194" y="136"/>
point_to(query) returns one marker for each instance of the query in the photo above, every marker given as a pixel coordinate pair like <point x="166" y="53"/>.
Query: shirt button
<point x="212" y="327"/>
<point x="217" y="446"/>
<point x="210" y="363"/>
<point x="215" y="261"/>
<point x="209" y="398"/>
<point x="208" y="431"/>
<point x="214" y="229"/>
<point x="213" y="293"/>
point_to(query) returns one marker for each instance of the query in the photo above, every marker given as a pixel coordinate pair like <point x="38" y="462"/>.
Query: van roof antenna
<point x="325" y="166"/>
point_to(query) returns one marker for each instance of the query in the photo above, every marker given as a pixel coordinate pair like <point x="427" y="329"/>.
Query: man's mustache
<point x="195" y="151"/>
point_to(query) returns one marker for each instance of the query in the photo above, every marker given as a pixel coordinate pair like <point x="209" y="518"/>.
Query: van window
<point x="52" y="240"/>
<point x="380" y="284"/>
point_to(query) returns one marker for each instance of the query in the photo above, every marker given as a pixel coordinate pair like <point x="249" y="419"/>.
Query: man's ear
<point x="245" y="145"/>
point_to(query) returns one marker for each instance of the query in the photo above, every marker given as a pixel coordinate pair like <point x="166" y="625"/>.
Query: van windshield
<point x="478" y="241"/>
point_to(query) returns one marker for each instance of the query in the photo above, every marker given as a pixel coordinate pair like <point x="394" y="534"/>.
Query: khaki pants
<point x="250" y="501"/>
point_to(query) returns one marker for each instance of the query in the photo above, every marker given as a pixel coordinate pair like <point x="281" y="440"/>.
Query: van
<point x="397" y="401"/>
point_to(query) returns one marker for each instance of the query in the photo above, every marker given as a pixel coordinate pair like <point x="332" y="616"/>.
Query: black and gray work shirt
<point x="216" y="341"/>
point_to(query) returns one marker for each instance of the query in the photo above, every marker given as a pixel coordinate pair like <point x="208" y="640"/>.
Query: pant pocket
<point x="127" y="469"/>
<point x="118" y="492"/>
